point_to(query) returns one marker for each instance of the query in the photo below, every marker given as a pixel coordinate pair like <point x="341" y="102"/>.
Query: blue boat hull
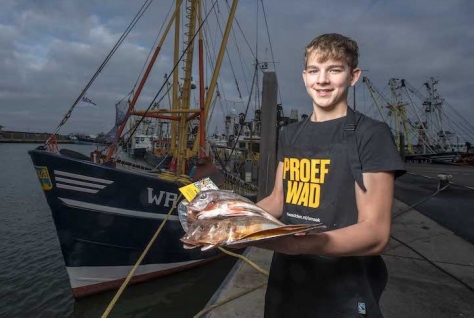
<point x="105" y="218"/>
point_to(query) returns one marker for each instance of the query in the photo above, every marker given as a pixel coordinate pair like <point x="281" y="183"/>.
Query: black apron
<point x="319" y="187"/>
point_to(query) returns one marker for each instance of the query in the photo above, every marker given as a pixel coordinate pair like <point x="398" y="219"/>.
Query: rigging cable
<point x="240" y="96"/>
<point x="230" y="60"/>
<point x="246" y="41"/>
<point x="469" y="126"/>
<point x="151" y="49"/>
<point x="171" y="73"/>
<point x="245" y="115"/>
<point x="239" y="54"/>
<point x="410" y="88"/>
<point x="257" y="95"/>
<point x="423" y="126"/>
<point x="253" y="80"/>
<point x="101" y="67"/>
<point x="157" y="103"/>
<point x="417" y="252"/>
<point x="270" y="44"/>
<point x="130" y="275"/>
<point x="210" y="58"/>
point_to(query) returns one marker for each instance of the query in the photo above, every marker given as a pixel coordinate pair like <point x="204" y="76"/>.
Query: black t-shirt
<point x="375" y="142"/>
<point x="329" y="197"/>
<point x="321" y="286"/>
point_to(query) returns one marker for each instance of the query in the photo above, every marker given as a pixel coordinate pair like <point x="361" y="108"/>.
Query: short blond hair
<point x="333" y="46"/>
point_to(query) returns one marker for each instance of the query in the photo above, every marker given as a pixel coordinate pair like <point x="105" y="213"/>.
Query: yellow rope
<point x="132" y="272"/>
<point x="251" y="263"/>
<point x="224" y="301"/>
<point x="220" y="303"/>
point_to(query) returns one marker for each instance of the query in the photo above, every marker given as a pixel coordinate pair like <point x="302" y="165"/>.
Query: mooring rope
<point x="240" y="294"/>
<point x="220" y="303"/>
<point x="132" y="272"/>
<point x="203" y="311"/>
<point x="251" y="263"/>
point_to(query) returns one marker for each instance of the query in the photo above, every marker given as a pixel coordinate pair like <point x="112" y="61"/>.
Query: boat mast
<point x="202" y="121"/>
<point x="433" y="105"/>
<point x="373" y="91"/>
<point x="175" y="105"/>
<point x="398" y="109"/>
<point x="181" y="104"/>
<point x="131" y="106"/>
<point x="220" y="57"/>
<point x="182" y="150"/>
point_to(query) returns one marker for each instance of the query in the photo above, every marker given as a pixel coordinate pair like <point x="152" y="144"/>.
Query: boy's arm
<point x="368" y="236"/>
<point x="273" y="203"/>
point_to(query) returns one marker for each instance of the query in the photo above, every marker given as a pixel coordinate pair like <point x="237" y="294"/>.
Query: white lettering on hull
<point x="169" y="198"/>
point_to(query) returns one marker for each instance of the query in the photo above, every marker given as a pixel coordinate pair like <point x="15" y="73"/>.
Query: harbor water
<point x="34" y="282"/>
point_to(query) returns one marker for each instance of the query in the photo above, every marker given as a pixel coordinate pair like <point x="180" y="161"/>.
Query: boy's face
<point x="327" y="83"/>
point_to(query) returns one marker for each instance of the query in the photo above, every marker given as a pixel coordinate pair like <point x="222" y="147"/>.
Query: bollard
<point x="444" y="180"/>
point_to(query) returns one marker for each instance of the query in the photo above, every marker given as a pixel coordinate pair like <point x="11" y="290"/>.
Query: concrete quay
<point x="431" y="274"/>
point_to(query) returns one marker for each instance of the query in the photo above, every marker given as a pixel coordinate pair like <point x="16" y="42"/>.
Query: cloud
<point x="49" y="51"/>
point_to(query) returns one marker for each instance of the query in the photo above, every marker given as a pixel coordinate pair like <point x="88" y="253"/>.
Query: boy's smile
<point x="328" y="82"/>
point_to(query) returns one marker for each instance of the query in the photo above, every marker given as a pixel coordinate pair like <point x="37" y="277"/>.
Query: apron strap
<point x="349" y="139"/>
<point x="352" y="119"/>
<point x="299" y="129"/>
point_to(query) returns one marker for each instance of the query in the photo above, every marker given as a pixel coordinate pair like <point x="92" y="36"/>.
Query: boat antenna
<point x="151" y="49"/>
<point x="137" y="17"/>
<point x="271" y="48"/>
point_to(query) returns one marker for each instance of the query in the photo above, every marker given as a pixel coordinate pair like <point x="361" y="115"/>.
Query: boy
<point x="344" y="178"/>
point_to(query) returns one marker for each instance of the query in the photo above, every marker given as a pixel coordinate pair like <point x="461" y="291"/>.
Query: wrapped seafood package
<point x="189" y="192"/>
<point x="223" y="218"/>
<point x="183" y="214"/>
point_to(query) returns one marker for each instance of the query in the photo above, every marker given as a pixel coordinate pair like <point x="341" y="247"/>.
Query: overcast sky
<point x="49" y="50"/>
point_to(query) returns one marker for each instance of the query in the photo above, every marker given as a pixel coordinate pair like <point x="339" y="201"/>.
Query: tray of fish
<point x="224" y="218"/>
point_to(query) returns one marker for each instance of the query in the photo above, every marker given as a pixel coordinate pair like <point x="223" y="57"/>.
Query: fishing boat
<point x="237" y="149"/>
<point x="142" y="139"/>
<point x="427" y="129"/>
<point x="106" y="209"/>
<point x="89" y="139"/>
<point x="157" y="154"/>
